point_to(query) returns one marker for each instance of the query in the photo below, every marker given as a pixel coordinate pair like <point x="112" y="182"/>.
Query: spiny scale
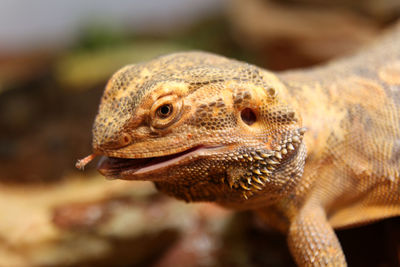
<point x="265" y="163"/>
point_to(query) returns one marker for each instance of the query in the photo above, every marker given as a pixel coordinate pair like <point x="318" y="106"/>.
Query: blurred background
<point x="55" y="59"/>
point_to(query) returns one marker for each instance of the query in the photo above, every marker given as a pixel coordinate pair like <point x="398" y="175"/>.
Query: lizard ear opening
<point x="248" y="116"/>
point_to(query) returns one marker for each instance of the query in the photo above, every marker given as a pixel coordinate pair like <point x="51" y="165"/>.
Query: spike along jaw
<point x="271" y="160"/>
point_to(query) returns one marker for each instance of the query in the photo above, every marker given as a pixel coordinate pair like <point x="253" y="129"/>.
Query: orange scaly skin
<point x="309" y="150"/>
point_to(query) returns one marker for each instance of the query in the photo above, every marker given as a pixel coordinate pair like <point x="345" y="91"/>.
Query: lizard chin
<point x="145" y="168"/>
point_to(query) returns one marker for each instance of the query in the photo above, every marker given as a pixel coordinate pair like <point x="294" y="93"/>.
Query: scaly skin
<point x="309" y="150"/>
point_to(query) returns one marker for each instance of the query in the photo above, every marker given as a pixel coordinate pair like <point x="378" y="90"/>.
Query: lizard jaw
<point x="143" y="168"/>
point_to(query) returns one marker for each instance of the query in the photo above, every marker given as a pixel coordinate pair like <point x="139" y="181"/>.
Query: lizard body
<point x="308" y="150"/>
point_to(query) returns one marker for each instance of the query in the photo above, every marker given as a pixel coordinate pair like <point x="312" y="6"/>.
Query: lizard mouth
<point x="126" y="168"/>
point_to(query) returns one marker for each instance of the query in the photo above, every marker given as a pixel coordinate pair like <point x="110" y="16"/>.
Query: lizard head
<point x="202" y="127"/>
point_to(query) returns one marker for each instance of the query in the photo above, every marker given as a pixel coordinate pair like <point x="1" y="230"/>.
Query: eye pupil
<point x="165" y="110"/>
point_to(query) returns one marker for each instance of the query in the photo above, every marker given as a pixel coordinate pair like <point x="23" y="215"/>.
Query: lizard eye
<point x="165" y="111"/>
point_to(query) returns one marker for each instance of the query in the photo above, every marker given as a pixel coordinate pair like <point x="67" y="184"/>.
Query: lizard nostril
<point x="248" y="116"/>
<point x="125" y="139"/>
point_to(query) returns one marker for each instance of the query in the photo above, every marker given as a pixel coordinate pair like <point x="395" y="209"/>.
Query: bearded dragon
<point x="308" y="150"/>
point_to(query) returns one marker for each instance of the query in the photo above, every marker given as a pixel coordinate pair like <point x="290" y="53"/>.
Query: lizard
<point x="308" y="150"/>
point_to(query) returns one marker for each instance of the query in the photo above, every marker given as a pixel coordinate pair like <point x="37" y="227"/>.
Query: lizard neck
<point x="321" y="95"/>
<point x="321" y="115"/>
<point x="311" y="99"/>
<point x="325" y="97"/>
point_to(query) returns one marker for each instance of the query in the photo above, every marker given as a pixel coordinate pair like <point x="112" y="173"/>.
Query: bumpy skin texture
<point x="309" y="150"/>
